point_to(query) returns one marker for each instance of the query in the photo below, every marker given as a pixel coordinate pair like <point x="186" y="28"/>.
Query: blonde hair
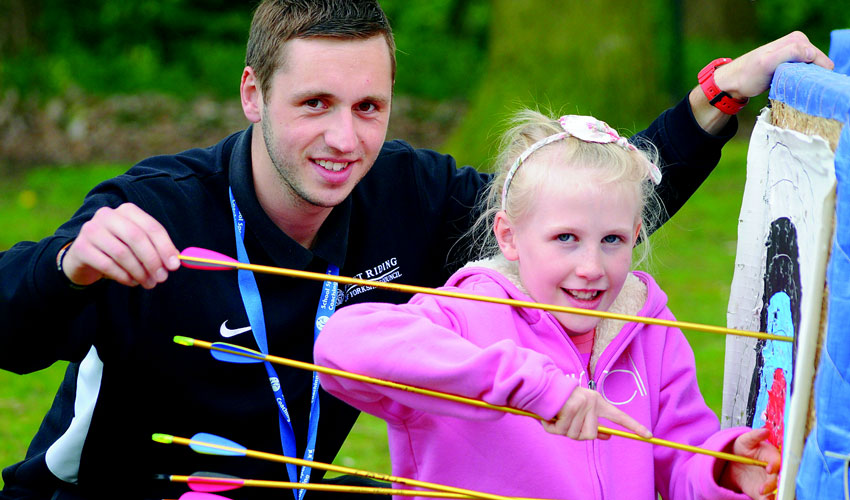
<point x="610" y="163"/>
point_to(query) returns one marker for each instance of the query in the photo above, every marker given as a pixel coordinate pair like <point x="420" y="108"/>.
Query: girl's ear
<point x="637" y="232"/>
<point x="505" y="235"/>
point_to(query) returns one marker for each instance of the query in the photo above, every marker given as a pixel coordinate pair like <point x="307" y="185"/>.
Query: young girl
<point x="565" y="212"/>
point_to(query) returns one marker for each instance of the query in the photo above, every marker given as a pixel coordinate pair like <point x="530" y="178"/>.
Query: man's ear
<point x="252" y="96"/>
<point x="505" y="235"/>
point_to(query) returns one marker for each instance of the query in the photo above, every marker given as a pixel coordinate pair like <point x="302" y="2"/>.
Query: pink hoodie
<point x="522" y="358"/>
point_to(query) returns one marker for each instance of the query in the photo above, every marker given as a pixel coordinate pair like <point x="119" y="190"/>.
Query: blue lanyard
<point x="254" y="308"/>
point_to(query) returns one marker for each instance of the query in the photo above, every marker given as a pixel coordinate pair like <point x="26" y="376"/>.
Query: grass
<point x="693" y="261"/>
<point x="35" y="203"/>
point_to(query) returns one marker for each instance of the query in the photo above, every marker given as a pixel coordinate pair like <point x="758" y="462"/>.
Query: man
<point x="311" y="185"/>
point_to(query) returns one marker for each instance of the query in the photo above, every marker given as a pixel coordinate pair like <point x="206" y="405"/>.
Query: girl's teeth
<point x="330" y="165"/>
<point x="584" y="295"/>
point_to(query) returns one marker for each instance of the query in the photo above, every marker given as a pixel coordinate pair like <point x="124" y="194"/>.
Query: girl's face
<point x="574" y="245"/>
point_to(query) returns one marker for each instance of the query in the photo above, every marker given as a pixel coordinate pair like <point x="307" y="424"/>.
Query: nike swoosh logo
<point x="227" y="332"/>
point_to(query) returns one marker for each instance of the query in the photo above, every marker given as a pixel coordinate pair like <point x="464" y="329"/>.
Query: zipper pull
<point x="591" y="385"/>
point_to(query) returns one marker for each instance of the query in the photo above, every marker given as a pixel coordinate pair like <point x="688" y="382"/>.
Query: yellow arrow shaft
<point x="398" y="287"/>
<point x="261" y="483"/>
<point x="469" y="401"/>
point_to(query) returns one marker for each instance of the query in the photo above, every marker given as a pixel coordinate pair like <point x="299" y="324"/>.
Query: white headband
<point x="583" y="128"/>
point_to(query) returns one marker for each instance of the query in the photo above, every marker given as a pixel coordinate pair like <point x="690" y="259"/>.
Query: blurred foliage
<point x="576" y="58"/>
<point x="180" y="47"/>
<point x="620" y="62"/>
<point x="816" y="17"/>
<point x="442" y="45"/>
<point x="617" y="60"/>
<point x="191" y="47"/>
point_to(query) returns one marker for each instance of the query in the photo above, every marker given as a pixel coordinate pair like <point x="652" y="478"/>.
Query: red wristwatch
<point x="716" y="97"/>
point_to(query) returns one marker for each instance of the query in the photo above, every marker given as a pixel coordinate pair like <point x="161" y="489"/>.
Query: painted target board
<point x="784" y="233"/>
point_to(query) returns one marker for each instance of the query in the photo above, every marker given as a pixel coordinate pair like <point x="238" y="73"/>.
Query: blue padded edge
<point x="818" y="92"/>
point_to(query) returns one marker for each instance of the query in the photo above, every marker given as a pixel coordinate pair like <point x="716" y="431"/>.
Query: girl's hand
<point x="757" y="482"/>
<point x="579" y="417"/>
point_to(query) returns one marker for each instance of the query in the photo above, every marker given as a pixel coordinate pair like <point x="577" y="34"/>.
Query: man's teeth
<point x="330" y="165"/>
<point x="584" y="295"/>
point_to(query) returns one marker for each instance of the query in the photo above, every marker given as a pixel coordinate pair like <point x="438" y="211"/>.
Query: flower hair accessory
<point x="583" y="128"/>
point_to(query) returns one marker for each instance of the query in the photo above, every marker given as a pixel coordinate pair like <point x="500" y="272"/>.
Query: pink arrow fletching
<point x="207" y="484"/>
<point x="197" y="495"/>
<point x="203" y="253"/>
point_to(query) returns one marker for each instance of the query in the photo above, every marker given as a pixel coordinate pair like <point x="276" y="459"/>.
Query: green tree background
<point x="95" y="82"/>
<point x="616" y="59"/>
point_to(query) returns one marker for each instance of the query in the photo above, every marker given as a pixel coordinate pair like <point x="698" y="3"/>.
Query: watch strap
<point x="718" y="98"/>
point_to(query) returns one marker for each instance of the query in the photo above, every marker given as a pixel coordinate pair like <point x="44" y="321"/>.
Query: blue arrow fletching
<point x="200" y="439"/>
<point x="234" y="353"/>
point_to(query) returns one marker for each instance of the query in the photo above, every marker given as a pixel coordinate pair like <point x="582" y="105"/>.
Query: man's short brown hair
<point x="278" y="21"/>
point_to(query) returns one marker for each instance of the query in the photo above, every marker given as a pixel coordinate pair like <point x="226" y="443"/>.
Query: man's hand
<point x="579" y="417"/>
<point x="124" y="244"/>
<point x="750" y="75"/>
<point x="753" y="480"/>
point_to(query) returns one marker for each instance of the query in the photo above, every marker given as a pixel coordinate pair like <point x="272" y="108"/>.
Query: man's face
<point x="325" y="117"/>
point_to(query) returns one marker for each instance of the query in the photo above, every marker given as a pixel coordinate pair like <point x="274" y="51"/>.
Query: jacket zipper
<point x="591" y="384"/>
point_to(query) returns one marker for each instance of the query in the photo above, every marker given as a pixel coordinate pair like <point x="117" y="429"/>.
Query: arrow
<point x="209" y="260"/>
<point x="207" y="482"/>
<point x="214" y="445"/>
<point x="229" y="352"/>
<point x="225" y="352"/>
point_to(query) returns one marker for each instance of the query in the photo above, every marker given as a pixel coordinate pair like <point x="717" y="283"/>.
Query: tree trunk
<point x="573" y="57"/>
